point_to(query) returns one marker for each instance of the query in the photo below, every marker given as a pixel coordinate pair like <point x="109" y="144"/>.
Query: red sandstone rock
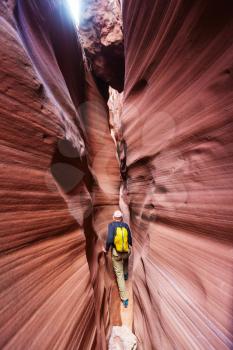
<point x="57" y="192"/>
<point x="175" y="145"/>
<point x="177" y="126"/>
<point x="100" y="30"/>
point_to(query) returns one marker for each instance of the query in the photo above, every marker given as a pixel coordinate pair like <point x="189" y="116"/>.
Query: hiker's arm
<point x="130" y="236"/>
<point x="109" y="241"/>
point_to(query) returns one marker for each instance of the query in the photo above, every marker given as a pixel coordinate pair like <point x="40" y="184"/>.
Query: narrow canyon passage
<point x="131" y="108"/>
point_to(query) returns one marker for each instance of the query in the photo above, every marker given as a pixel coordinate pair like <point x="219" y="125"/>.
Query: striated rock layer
<point x="59" y="185"/>
<point x="60" y="178"/>
<point x="177" y="130"/>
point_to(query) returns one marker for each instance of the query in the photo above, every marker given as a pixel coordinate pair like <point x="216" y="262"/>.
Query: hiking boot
<point x="125" y="302"/>
<point x="126" y="276"/>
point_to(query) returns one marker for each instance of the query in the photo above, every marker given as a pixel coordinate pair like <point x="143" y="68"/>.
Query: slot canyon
<point x="129" y="108"/>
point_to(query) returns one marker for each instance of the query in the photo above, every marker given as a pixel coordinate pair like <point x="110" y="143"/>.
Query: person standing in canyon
<point x="119" y="239"/>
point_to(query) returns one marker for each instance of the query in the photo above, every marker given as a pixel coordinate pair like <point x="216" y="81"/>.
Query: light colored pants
<point x="120" y="266"/>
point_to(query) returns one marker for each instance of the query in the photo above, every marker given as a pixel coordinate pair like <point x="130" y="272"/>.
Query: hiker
<point x="120" y="240"/>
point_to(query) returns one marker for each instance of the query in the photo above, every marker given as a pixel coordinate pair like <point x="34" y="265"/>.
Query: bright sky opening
<point x="74" y="6"/>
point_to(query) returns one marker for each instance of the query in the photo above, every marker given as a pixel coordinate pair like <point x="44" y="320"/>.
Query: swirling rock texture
<point x="59" y="185"/>
<point x="177" y="128"/>
<point x="60" y="177"/>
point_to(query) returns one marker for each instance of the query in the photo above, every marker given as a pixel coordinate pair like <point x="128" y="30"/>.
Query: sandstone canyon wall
<point x="177" y="127"/>
<point x="59" y="184"/>
<point x="60" y="178"/>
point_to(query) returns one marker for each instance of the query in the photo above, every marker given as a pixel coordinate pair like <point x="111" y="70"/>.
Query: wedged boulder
<point x="100" y="30"/>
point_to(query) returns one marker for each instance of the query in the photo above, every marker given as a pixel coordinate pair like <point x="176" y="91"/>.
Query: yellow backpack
<point x="121" y="240"/>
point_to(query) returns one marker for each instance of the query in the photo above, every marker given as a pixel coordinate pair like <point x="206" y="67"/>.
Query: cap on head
<point x="117" y="214"/>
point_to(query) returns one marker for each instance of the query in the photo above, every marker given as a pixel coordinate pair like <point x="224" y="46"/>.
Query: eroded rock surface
<point x="100" y="30"/>
<point x="58" y="193"/>
<point x="177" y="127"/>
<point x="60" y="179"/>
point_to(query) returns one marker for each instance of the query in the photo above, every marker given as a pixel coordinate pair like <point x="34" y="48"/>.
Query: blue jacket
<point x="111" y="233"/>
